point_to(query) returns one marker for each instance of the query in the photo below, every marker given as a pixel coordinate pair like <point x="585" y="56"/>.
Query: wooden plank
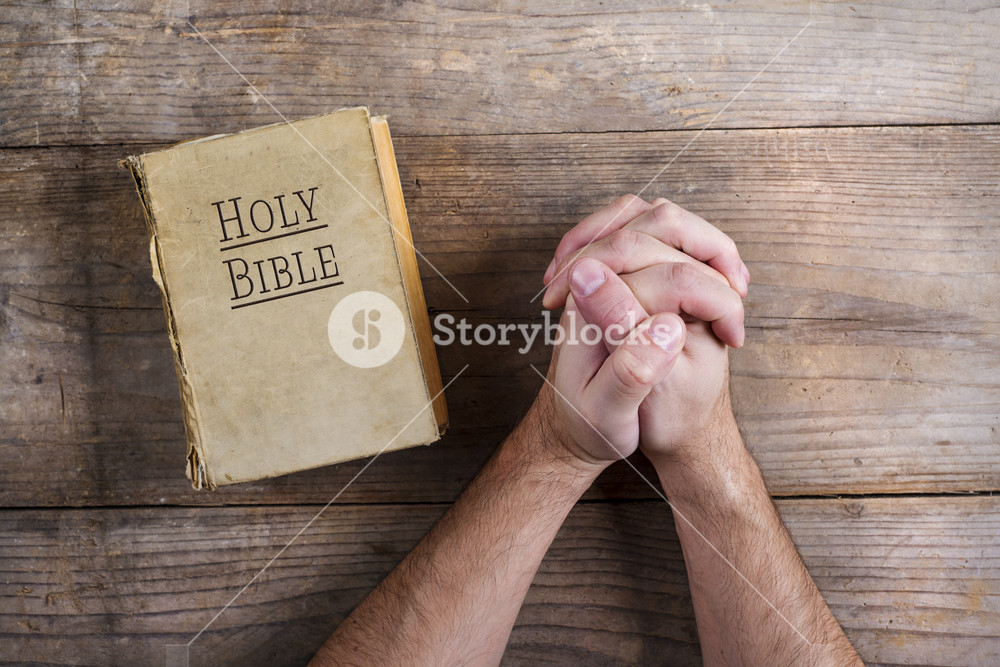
<point x="913" y="581"/>
<point x="96" y="72"/>
<point x="873" y="341"/>
<point x="873" y="351"/>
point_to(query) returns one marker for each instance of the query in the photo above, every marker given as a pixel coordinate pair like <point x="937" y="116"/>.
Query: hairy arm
<point x="754" y="601"/>
<point x="455" y="597"/>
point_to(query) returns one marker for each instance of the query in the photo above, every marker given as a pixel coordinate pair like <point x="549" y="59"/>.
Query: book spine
<point x="409" y="273"/>
<point x="197" y="469"/>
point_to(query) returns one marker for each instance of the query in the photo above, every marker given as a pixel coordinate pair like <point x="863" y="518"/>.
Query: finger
<point x="642" y="361"/>
<point x="604" y="300"/>
<point x="623" y="251"/>
<point x="579" y="354"/>
<point x="679" y="287"/>
<point x="696" y="237"/>
<point x="594" y="227"/>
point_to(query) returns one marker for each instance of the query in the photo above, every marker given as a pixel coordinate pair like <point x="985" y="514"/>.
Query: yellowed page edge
<point x="408" y="267"/>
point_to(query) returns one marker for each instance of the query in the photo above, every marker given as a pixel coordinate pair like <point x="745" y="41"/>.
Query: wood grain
<point x="913" y="581"/>
<point x="96" y="72"/>
<point x="874" y="325"/>
<point x="873" y="322"/>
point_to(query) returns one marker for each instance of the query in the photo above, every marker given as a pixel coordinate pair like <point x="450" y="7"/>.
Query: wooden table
<point x="853" y="152"/>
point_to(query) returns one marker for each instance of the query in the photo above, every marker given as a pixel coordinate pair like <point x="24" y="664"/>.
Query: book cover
<point x="293" y="301"/>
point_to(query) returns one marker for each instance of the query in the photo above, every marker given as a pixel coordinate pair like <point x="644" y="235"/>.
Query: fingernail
<point x="746" y="276"/>
<point x="665" y="333"/>
<point x="586" y="277"/>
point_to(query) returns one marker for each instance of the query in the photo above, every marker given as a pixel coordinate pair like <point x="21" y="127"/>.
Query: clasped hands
<point x="666" y="288"/>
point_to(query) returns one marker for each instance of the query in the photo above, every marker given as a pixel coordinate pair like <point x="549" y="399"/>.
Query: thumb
<point x="604" y="299"/>
<point x="641" y="362"/>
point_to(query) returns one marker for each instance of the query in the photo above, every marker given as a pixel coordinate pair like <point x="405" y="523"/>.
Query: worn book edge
<point x="197" y="468"/>
<point x="407" y="256"/>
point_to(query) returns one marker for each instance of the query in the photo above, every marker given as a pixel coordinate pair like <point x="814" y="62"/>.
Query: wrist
<point x="542" y="446"/>
<point x="715" y="463"/>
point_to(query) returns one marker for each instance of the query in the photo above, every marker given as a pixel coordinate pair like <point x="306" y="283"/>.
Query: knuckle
<point x="659" y="200"/>
<point x="623" y="241"/>
<point x="617" y="311"/>
<point x="625" y="202"/>
<point x="665" y="215"/>
<point x="632" y="371"/>
<point x="565" y="245"/>
<point x="729" y="247"/>
<point x="730" y="309"/>
<point x="682" y="275"/>
<point x="738" y="308"/>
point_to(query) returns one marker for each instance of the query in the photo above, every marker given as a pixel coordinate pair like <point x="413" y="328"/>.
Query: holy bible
<point x="293" y="300"/>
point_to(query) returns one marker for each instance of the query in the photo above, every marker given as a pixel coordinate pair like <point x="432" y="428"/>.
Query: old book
<point x="293" y="301"/>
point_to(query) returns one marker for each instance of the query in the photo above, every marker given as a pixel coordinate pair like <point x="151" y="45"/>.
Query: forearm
<point x="754" y="600"/>
<point x="455" y="597"/>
